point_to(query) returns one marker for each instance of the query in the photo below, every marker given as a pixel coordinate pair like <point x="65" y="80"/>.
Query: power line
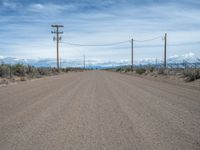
<point x="91" y="45"/>
<point x="110" y="44"/>
<point x="142" y="46"/>
<point x="147" y="40"/>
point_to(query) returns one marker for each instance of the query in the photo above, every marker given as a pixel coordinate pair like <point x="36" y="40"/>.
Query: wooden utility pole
<point x="156" y="62"/>
<point x="58" y="39"/>
<point x="84" y="61"/>
<point x="10" y="71"/>
<point x="165" y="51"/>
<point x="131" y="53"/>
<point x="60" y="63"/>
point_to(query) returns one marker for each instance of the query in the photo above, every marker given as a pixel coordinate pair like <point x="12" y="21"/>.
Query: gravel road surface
<point x="99" y="110"/>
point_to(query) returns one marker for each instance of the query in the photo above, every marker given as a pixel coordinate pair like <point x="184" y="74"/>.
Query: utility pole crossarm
<point x="54" y="32"/>
<point x="56" y="25"/>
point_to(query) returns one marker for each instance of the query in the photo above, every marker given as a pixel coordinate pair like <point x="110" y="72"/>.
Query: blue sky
<point x="25" y="30"/>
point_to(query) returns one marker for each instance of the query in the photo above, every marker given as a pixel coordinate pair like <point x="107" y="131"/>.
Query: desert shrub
<point x="118" y="69"/>
<point x="32" y="72"/>
<point x="122" y="69"/>
<point x="46" y="71"/>
<point x="69" y="69"/>
<point x="161" y="71"/>
<point x="19" y="70"/>
<point x="41" y="71"/>
<point x="191" y="74"/>
<point x="4" y="70"/>
<point x="22" y="79"/>
<point x="128" y="69"/>
<point x="140" y="70"/>
<point x="28" y="71"/>
<point x="151" y="69"/>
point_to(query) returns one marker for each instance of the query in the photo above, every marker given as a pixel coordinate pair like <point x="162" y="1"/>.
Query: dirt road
<point x="98" y="110"/>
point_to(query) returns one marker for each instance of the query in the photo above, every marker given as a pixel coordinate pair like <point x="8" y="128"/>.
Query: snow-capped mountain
<point x="51" y="62"/>
<point x="189" y="58"/>
<point x="146" y="61"/>
<point x="41" y="62"/>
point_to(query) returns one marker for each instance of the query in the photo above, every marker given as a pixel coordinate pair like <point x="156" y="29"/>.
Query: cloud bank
<point x="26" y="33"/>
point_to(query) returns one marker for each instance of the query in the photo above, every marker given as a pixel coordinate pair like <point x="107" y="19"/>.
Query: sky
<point x="25" y="28"/>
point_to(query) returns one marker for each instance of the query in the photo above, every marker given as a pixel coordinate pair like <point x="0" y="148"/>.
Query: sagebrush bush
<point x="151" y="69"/>
<point x="20" y="70"/>
<point x="4" y="70"/>
<point x="161" y="71"/>
<point x="119" y="69"/>
<point x="192" y="74"/>
<point x="140" y="70"/>
<point x="128" y="69"/>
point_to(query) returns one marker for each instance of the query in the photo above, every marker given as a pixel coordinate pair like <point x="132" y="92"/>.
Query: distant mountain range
<point x="189" y="58"/>
<point x="50" y="62"/>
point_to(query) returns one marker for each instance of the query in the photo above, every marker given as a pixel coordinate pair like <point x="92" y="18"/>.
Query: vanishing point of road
<point x="99" y="110"/>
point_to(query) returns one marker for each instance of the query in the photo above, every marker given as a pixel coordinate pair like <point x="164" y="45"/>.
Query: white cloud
<point x="48" y="8"/>
<point x="36" y="7"/>
<point x="9" y="5"/>
<point x="111" y="25"/>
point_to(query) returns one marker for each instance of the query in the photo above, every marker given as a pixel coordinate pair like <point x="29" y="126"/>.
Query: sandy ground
<point x="99" y="110"/>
